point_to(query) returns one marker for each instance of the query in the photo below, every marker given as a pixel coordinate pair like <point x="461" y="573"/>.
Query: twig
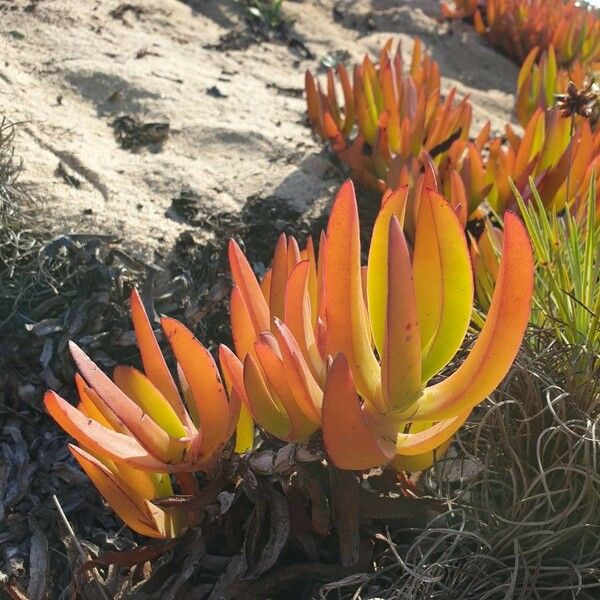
<point x="80" y="551"/>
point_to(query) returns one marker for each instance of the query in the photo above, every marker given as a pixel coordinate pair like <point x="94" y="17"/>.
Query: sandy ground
<point x="237" y="125"/>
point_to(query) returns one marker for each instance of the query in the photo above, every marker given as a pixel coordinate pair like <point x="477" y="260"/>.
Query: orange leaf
<point x="137" y="512"/>
<point x="347" y="327"/>
<point x="348" y="439"/>
<point x="401" y="358"/>
<point x="393" y="204"/>
<point x="299" y="319"/>
<point x="306" y="390"/>
<point x="242" y="329"/>
<point x="205" y="384"/>
<point x="153" y="360"/>
<point x="429" y="438"/>
<point x="99" y="439"/>
<point x="275" y="374"/>
<point x="157" y="441"/>
<point x="443" y="282"/>
<point x="245" y="280"/>
<point x="279" y="272"/>
<point x="499" y="340"/>
<point x="268" y="414"/>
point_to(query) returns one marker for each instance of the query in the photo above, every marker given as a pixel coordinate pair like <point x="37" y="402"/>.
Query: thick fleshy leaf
<point x="96" y="408"/>
<point x="501" y="336"/>
<point x="313" y="102"/>
<point x="244" y="431"/>
<point x="268" y="415"/>
<point x="401" y="357"/>
<point x="526" y="67"/>
<point x="313" y="280"/>
<point x="147" y="485"/>
<point x="233" y="375"/>
<point x="306" y="391"/>
<point x="157" y="441"/>
<point x="245" y="280"/>
<point x="235" y="409"/>
<point x="153" y="360"/>
<point x="393" y="203"/>
<point x="275" y="375"/>
<point x="99" y="439"/>
<point x="187" y="396"/>
<point x="279" y="272"/>
<point x="332" y="101"/>
<point x="321" y="300"/>
<point x="333" y="133"/>
<point x="532" y="142"/>
<point x="205" y="383"/>
<point x="233" y="372"/>
<point x="298" y="317"/>
<point x="139" y="388"/>
<point x="443" y="282"/>
<point x="293" y="253"/>
<point x="265" y="284"/>
<point x="137" y="512"/>
<point x="458" y="198"/>
<point x="242" y="329"/>
<point x="483" y="136"/>
<point x="348" y="98"/>
<point x="348" y="331"/>
<point x="426" y="436"/>
<point x="350" y="442"/>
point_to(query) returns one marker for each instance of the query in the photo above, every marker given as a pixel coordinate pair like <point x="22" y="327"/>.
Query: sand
<point x="237" y="117"/>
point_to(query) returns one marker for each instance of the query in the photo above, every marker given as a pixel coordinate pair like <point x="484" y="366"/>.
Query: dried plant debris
<point x="262" y="22"/>
<point x="522" y="492"/>
<point x="187" y="206"/>
<point x="131" y="133"/>
<point x="269" y="533"/>
<point x="35" y="465"/>
<point x="215" y="92"/>
<point x="68" y="177"/>
<point x="122" y="10"/>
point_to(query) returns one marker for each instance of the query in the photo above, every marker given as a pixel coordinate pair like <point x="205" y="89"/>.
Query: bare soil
<point x="230" y="94"/>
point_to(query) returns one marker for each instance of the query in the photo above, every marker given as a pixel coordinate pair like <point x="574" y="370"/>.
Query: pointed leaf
<point x="443" y="282"/>
<point x="298" y="317"/>
<point x="348" y="439"/>
<point x="139" y="388"/>
<point x="393" y="203"/>
<point x="99" y="439"/>
<point x="137" y="512"/>
<point x="348" y="331"/>
<point x="266" y="412"/>
<point x="157" y="441"/>
<point x="245" y="280"/>
<point x="499" y="340"/>
<point x="242" y="329"/>
<point x="401" y="358"/>
<point x="153" y="360"/>
<point x="233" y="375"/>
<point x="279" y="272"/>
<point x="305" y="389"/>
<point x="275" y="374"/>
<point x="424" y="437"/>
<point x="204" y="380"/>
